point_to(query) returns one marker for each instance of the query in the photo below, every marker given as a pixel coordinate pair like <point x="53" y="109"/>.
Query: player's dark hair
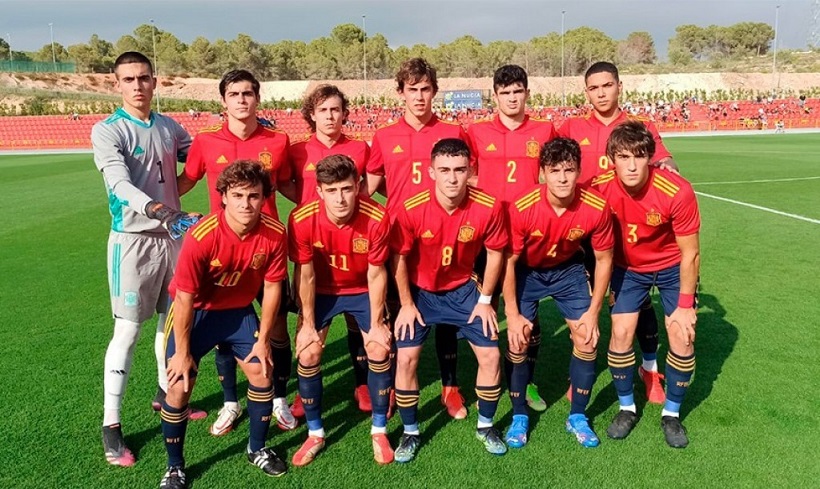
<point x="129" y="57"/>
<point x="234" y="76"/>
<point x="415" y="70"/>
<point x="560" y="151"/>
<point x="336" y="168"/>
<point x="318" y="96"/>
<point x="450" y="147"/>
<point x="632" y="136"/>
<point x="509" y="75"/>
<point x="602" y="67"/>
<point x="244" y="173"/>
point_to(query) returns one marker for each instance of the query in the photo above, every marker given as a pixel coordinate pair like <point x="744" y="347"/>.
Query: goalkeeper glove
<point x="174" y="221"/>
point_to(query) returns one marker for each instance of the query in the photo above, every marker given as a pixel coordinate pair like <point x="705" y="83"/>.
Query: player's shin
<point x="679" y="371"/>
<point x="260" y="409"/>
<point x="174" y="425"/>
<point x="282" y="359"/>
<point x="647" y="334"/>
<point x="582" y="378"/>
<point x="378" y="383"/>
<point x="118" y="359"/>
<point x="533" y="348"/>
<point x="447" y="353"/>
<point x="622" y="368"/>
<point x="358" y="355"/>
<point x="159" y="352"/>
<point x="226" y="370"/>
<point x="517" y="376"/>
<point x="310" y="389"/>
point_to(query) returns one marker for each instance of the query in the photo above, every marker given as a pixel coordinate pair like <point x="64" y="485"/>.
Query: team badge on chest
<point x="266" y="158"/>
<point x="575" y="234"/>
<point x="653" y="218"/>
<point x="466" y="234"/>
<point x="258" y="260"/>
<point x="532" y="149"/>
<point x="360" y="245"/>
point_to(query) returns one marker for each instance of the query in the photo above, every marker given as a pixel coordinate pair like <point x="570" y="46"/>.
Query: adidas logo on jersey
<point x="138" y="151"/>
<point x="221" y="160"/>
<point x="491" y="147"/>
<point x="427" y="234"/>
<point x="397" y="149"/>
<point x="584" y="142"/>
<point x="310" y="167"/>
<point x="215" y="263"/>
<point x="537" y="234"/>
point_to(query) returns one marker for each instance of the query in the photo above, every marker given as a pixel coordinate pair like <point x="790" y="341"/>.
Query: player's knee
<point x="311" y="355"/>
<point x="376" y="352"/>
<point x="255" y="375"/>
<point x="621" y="339"/>
<point x="176" y="396"/>
<point x="125" y="334"/>
<point x="407" y="360"/>
<point x="488" y="357"/>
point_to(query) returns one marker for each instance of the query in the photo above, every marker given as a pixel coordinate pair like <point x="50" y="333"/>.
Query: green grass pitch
<point x="752" y="411"/>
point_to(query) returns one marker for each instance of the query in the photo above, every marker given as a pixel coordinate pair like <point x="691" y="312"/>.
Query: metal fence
<point x="36" y="67"/>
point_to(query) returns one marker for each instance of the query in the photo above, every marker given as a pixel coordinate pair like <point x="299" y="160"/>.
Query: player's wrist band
<point x="686" y="301"/>
<point x="485" y="299"/>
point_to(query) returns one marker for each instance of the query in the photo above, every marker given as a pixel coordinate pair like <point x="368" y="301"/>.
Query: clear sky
<point x="402" y="22"/>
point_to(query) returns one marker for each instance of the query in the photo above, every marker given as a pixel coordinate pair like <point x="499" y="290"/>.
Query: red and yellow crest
<point x="575" y="234"/>
<point x="466" y="234"/>
<point x="360" y="245"/>
<point x="653" y="218"/>
<point x="533" y="149"/>
<point x="266" y="158"/>
<point x="258" y="260"/>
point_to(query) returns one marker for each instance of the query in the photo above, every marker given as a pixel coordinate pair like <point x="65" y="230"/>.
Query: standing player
<point x="223" y="263"/>
<point x="506" y="148"/>
<point x="339" y="243"/>
<point x="241" y="136"/>
<point x="326" y="110"/>
<point x="547" y="226"/>
<point x="603" y="88"/>
<point x="657" y="226"/>
<point x="137" y="152"/>
<point x="436" y="238"/>
<point x="398" y="158"/>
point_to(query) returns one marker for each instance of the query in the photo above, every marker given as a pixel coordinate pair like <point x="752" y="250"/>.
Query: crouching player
<point x="224" y="261"/>
<point x="657" y="224"/>
<point x="339" y="244"/>
<point x="436" y="238"/>
<point x="548" y="225"/>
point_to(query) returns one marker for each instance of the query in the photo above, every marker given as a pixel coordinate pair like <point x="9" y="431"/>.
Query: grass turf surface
<point x="751" y="411"/>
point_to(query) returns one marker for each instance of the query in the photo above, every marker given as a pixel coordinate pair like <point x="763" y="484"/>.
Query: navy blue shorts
<point x="567" y="284"/>
<point x="236" y="329"/>
<point x="451" y="307"/>
<point x="288" y="302"/>
<point x="329" y="306"/>
<point x="628" y="289"/>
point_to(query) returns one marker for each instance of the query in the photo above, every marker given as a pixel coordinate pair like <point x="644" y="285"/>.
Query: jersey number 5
<point x="417" y="172"/>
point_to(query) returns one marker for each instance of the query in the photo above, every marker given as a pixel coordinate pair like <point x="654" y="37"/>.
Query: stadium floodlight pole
<point x="774" y="57"/>
<point x="563" y="92"/>
<point x="364" y="57"/>
<point x="53" y="53"/>
<point x="156" y="68"/>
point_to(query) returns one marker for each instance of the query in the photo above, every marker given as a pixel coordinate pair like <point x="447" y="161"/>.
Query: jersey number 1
<point x="161" y="174"/>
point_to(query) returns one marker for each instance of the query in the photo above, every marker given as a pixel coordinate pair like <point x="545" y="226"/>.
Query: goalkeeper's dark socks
<point x="447" y="353"/>
<point x="226" y="369"/>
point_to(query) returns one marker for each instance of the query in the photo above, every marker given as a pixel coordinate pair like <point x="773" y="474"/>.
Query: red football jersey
<point x="441" y="248"/>
<point x="340" y="255"/>
<point x="544" y="239"/>
<point x="508" y="160"/>
<point x="305" y="154"/>
<point x="402" y="155"/>
<point x="646" y="225"/>
<point x="216" y="147"/>
<point x="224" y="271"/>
<point x="592" y="135"/>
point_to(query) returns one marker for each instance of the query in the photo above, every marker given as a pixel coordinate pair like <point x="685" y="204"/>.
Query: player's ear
<point x="431" y="171"/>
<point x="319" y="191"/>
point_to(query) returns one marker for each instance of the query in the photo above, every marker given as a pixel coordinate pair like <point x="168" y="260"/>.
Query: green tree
<point x="201" y="57"/>
<point x="44" y="54"/>
<point x="584" y="46"/>
<point x="637" y="48"/>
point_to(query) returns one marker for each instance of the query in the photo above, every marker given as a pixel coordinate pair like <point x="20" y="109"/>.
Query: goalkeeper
<point x="137" y="151"/>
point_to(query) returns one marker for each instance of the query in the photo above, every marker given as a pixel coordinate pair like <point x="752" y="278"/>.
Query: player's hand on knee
<point x="587" y="328"/>
<point x="175" y="222"/>
<point x="379" y="334"/>
<point x="518" y="332"/>
<point x="489" y="320"/>
<point x="684" y="320"/>
<point x="262" y="352"/>
<point x="306" y="336"/>
<point x="179" y="369"/>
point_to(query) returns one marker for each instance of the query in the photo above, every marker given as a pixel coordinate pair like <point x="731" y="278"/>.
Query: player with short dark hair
<point x="325" y="110"/>
<point x="224" y="261"/>
<point x="339" y="244"/>
<point x="603" y="87"/>
<point x="241" y="136"/>
<point x="657" y="245"/>
<point x="435" y="239"/>
<point x="547" y="225"/>
<point x="137" y="150"/>
<point x="398" y="157"/>
<point x="506" y="149"/>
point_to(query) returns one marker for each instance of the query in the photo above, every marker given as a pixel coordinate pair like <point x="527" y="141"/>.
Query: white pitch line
<point x="774" y="180"/>
<point x="761" y="208"/>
